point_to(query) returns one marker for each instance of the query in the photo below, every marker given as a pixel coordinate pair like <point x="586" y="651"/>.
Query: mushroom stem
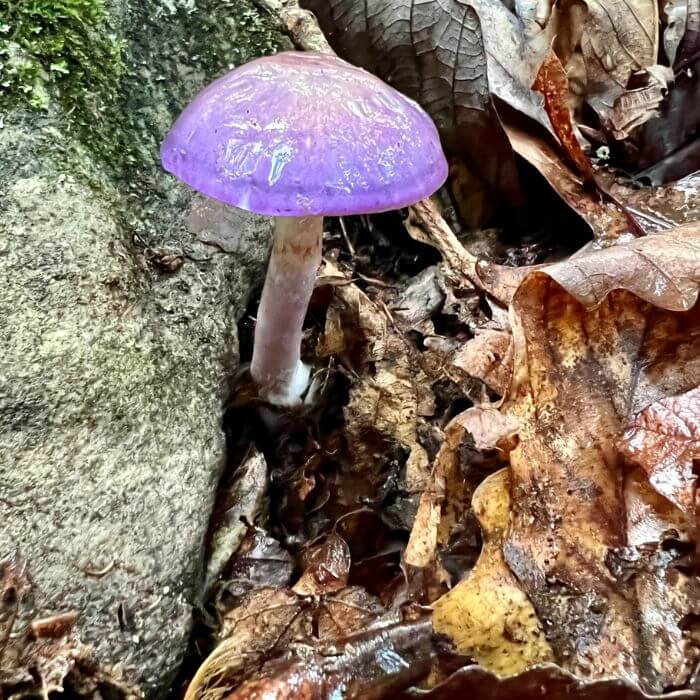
<point x="296" y="255"/>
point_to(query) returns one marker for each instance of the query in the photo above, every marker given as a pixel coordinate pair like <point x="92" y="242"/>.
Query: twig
<point x="300" y="25"/>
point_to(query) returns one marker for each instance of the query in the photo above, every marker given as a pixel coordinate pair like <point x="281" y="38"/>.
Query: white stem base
<point x="296" y="255"/>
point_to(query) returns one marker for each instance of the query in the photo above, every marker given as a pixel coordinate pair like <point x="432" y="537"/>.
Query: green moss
<point x="58" y="49"/>
<point x="119" y="73"/>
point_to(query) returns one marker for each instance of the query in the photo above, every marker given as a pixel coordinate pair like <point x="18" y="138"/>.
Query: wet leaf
<point x="266" y="621"/>
<point x="487" y="615"/>
<point x="259" y="562"/>
<point x="618" y="39"/>
<point x="326" y="568"/>
<point x="582" y="370"/>
<point x="371" y="665"/>
<point x="553" y="83"/>
<point x="547" y="681"/>
<point x="662" y="269"/>
<point x="665" y="439"/>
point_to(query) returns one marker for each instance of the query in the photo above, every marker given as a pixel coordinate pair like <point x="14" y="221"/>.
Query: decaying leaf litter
<point x="496" y="478"/>
<point x="494" y="488"/>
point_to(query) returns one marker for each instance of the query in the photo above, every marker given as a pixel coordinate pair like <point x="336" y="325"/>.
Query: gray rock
<point x="117" y="342"/>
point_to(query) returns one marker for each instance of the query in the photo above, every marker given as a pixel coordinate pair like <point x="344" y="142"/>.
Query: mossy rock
<point x="114" y="369"/>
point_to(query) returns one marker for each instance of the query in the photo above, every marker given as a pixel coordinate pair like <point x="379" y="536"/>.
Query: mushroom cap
<point x="298" y="134"/>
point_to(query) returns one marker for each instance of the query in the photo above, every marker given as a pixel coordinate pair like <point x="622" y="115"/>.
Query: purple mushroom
<point x="301" y="136"/>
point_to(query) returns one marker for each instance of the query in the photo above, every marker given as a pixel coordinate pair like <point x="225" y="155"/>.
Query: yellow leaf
<point x="487" y="615"/>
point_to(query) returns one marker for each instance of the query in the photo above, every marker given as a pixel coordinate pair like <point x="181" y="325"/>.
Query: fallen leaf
<point x="238" y="503"/>
<point x="487" y="615"/>
<point x="638" y="105"/>
<point x="426" y="225"/>
<point x="662" y="269"/>
<point x="588" y="356"/>
<point x="326" y="568"/>
<point x="606" y="221"/>
<point x="666" y="148"/>
<point x="259" y="562"/>
<point x="386" y="404"/>
<point x="375" y="664"/>
<point x="489" y="357"/>
<point x="553" y="82"/>
<point x="266" y="621"/>
<point x="447" y="496"/>
<point x="665" y="439"/>
<point x="682" y="32"/>
<point x="618" y="39"/>
<point x="546" y="681"/>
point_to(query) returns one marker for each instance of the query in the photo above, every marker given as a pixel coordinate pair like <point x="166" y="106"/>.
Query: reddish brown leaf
<point x="663" y="270"/>
<point x="665" y="439"/>
<point x="580" y="374"/>
<point x="375" y="664"/>
<point x="326" y="568"/>
<point x="553" y="83"/>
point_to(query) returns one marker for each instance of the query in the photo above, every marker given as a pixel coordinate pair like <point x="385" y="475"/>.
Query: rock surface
<point x="118" y="336"/>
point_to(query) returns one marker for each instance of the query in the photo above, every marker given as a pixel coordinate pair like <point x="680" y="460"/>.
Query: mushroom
<point x="300" y="136"/>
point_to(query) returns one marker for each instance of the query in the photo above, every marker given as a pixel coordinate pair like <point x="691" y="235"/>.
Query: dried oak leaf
<point x="446" y="55"/>
<point x="665" y="439"/>
<point x="487" y="615"/>
<point x="589" y="355"/>
<point x="447" y="495"/>
<point x="662" y="269"/>
<point x="488" y="356"/>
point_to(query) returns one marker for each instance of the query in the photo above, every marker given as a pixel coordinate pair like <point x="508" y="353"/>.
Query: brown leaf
<point x="553" y="83"/>
<point x="487" y="615"/>
<point x="618" y="39"/>
<point x="375" y="664"/>
<point x="634" y="107"/>
<point x="665" y="439"/>
<point x="239" y="500"/>
<point x="266" y="621"/>
<point x="605" y="220"/>
<point x="387" y="404"/>
<point x="581" y="372"/>
<point x="489" y="357"/>
<point x="326" y="568"/>
<point x="447" y="495"/>
<point x="662" y="269"/>
<point x="547" y="681"/>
